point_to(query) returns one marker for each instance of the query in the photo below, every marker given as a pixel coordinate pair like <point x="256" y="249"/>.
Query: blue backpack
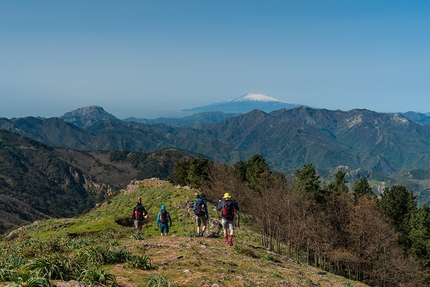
<point x="199" y="207"/>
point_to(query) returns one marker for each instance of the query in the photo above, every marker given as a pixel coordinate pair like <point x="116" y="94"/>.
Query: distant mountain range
<point x="199" y="116"/>
<point x="287" y="138"/>
<point x="213" y="113"/>
<point x="418" y="117"/>
<point x="362" y="142"/>
<point x="195" y="120"/>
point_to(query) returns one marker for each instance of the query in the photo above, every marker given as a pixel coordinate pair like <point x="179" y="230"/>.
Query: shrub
<point x="95" y="276"/>
<point x="157" y="281"/>
<point x="49" y="267"/>
<point x="119" y="255"/>
<point x="94" y="255"/>
<point x="31" y="282"/>
<point x="139" y="262"/>
<point x="6" y="274"/>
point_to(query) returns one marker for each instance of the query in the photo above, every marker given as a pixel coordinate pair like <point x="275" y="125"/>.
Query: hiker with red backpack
<point x="139" y="213"/>
<point x="163" y="219"/>
<point x="228" y="206"/>
<point x="200" y="208"/>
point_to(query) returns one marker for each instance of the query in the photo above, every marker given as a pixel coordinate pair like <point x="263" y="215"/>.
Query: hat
<point x="163" y="207"/>
<point x="226" y="195"/>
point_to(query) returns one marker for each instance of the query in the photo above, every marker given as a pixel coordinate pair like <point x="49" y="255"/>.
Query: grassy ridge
<point x="180" y="258"/>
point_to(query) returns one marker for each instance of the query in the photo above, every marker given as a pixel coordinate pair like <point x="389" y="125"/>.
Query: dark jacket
<point x="205" y="204"/>
<point x="222" y="203"/>
<point x="138" y="212"/>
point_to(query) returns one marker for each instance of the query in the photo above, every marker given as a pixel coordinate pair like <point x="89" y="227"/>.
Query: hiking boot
<point x="230" y="242"/>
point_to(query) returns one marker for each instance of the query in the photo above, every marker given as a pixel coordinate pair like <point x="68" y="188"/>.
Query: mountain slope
<point x="31" y="172"/>
<point x="181" y="258"/>
<point x="290" y="138"/>
<point x="14" y="212"/>
<point x="418" y="117"/>
<point x="38" y="181"/>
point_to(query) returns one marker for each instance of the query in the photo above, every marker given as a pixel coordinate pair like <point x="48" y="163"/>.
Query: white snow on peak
<point x="256" y="97"/>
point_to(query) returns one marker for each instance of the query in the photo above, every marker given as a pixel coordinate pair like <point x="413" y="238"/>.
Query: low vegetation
<point x="101" y="248"/>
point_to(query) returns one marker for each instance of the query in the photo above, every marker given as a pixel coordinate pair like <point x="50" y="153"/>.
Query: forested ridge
<point x="381" y="241"/>
<point x="387" y="148"/>
<point x="37" y="181"/>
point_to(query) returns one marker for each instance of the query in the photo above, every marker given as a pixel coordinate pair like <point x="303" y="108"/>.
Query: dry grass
<point x="197" y="261"/>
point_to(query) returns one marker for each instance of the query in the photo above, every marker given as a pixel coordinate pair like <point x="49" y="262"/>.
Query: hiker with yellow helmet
<point x="228" y="206"/>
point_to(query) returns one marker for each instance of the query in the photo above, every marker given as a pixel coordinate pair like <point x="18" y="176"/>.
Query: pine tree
<point x="362" y="188"/>
<point x="419" y="235"/>
<point x="308" y="182"/>
<point x="399" y="205"/>
<point x="255" y="167"/>
<point x="338" y="186"/>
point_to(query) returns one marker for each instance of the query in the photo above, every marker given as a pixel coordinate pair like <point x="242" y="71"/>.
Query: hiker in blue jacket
<point x="228" y="207"/>
<point x="163" y="220"/>
<point x="200" y="208"/>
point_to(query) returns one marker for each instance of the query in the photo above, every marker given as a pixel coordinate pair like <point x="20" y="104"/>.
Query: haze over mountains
<point x="359" y="141"/>
<point x="286" y="138"/>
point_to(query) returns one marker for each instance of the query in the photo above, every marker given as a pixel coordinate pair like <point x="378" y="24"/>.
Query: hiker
<point x="201" y="211"/>
<point x="163" y="219"/>
<point x="228" y="207"/>
<point x="139" y="213"/>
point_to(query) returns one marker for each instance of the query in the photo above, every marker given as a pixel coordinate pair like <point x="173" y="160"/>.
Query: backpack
<point x="199" y="207"/>
<point x="164" y="216"/>
<point x="139" y="212"/>
<point x="228" y="209"/>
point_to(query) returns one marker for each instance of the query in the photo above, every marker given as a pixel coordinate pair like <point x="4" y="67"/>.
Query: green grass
<point x="104" y="252"/>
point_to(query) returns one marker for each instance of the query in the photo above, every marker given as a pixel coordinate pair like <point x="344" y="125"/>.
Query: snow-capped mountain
<point x="255" y="97"/>
<point x="245" y="104"/>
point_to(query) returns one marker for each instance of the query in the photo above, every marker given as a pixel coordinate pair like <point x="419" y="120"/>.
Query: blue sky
<point x="153" y="58"/>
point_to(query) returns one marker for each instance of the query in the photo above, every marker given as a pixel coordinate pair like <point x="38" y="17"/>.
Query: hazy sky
<point x="152" y="58"/>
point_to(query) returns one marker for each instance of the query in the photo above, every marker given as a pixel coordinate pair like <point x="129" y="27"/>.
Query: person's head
<point x="163" y="207"/>
<point x="226" y="196"/>
<point x="202" y="196"/>
<point x="139" y="200"/>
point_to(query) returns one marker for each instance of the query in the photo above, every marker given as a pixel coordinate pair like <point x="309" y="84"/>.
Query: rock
<point x="71" y="283"/>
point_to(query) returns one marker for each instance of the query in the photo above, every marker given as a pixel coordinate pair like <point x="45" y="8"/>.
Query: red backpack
<point x="228" y="209"/>
<point x="164" y="216"/>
